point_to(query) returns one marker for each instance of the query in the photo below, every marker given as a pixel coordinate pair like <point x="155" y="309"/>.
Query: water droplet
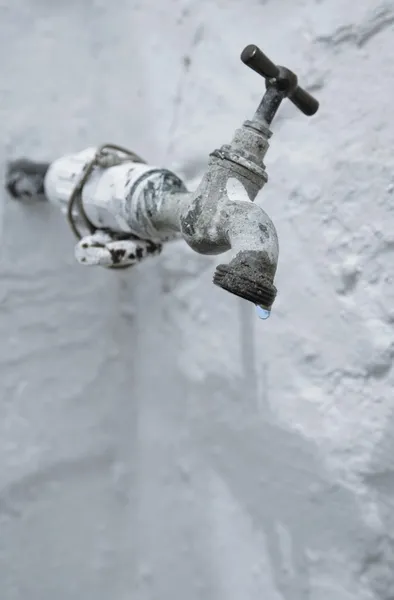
<point x="262" y="313"/>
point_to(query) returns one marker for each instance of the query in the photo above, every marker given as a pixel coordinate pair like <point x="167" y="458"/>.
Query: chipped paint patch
<point x="105" y="250"/>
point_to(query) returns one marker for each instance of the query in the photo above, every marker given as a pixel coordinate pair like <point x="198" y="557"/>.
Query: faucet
<point x="130" y="208"/>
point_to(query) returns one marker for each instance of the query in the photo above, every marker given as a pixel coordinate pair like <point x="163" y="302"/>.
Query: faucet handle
<point x="281" y="78"/>
<point x="256" y="60"/>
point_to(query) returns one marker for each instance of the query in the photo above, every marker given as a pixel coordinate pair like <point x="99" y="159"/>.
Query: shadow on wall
<point x="277" y="478"/>
<point x="378" y="566"/>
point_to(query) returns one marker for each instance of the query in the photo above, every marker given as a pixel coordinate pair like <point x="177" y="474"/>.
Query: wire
<point x="100" y="159"/>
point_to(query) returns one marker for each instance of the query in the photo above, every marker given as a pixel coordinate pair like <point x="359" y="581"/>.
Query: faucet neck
<point x="269" y="105"/>
<point x="247" y="151"/>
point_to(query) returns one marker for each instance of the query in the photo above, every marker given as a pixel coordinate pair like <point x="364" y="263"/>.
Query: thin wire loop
<point x="75" y="201"/>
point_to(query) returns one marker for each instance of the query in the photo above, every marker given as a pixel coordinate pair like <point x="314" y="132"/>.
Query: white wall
<point x="157" y="441"/>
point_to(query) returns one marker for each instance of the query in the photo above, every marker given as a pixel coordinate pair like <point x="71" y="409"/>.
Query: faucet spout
<point x="221" y="216"/>
<point x="254" y="255"/>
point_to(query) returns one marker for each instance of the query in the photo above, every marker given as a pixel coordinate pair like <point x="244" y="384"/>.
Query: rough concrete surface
<point x="157" y="441"/>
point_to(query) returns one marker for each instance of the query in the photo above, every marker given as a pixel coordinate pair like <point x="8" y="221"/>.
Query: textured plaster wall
<point x="157" y="441"/>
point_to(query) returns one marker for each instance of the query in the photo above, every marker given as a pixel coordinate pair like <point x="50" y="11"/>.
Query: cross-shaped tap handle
<point x="281" y="78"/>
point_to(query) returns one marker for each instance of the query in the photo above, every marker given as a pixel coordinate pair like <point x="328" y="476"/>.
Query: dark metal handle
<point x="304" y="101"/>
<point x="255" y="59"/>
<point x="284" y="79"/>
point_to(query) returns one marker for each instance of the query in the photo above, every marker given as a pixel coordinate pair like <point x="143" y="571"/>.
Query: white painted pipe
<point x="108" y="194"/>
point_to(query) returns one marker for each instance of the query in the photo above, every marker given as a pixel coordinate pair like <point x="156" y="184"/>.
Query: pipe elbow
<point x="250" y="273"/>
<point x="250" y="229"/>
<point x="203" y="222"/>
